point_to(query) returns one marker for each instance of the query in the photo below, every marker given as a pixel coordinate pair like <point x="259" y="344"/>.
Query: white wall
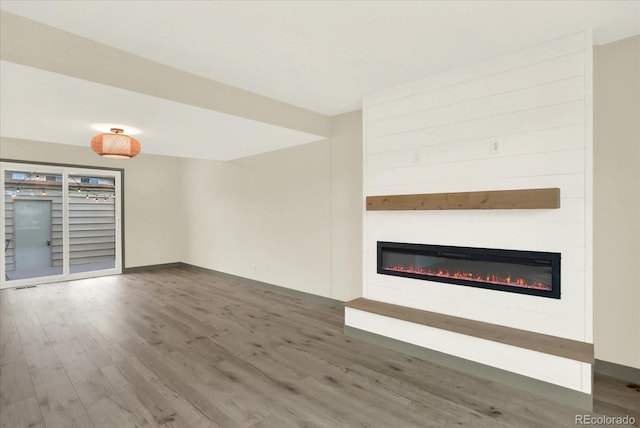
<point x="434" y="135"/>
<point x="617" y="202"/>
<point x="294" y="214"/>
<point x="153" y="219"/>
<point x="346" y="206"/>
<point x="271" y="211"/>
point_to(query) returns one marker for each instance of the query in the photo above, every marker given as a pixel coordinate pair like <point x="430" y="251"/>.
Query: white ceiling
<point x="320" y="55"/>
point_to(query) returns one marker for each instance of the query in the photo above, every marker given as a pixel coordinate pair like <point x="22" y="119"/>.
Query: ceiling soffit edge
<point x="33" y="44"/>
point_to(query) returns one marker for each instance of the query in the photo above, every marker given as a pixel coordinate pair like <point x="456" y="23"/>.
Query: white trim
<point x="65" y="224"/>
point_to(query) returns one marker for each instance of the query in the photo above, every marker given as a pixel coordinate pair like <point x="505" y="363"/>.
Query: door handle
<point x="48" y="243"/>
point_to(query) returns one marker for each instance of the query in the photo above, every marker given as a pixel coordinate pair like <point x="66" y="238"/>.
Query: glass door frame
<point x="64" y="170"/>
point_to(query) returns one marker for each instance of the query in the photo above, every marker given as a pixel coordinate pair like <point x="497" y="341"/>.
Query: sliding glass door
<point x="58" y="223"/>
<point x="92" y="222"/>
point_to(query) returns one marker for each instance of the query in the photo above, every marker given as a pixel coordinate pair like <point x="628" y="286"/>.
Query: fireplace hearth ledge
<point x="553" y="345"/>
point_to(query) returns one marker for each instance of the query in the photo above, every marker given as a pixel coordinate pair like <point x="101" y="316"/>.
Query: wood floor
<point x="183" y="348"/>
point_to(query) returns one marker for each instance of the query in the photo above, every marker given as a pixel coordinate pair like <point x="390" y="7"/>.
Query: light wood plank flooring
<point x="183" y="348"/>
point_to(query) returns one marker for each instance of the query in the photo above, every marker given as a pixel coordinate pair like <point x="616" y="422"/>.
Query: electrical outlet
<point x="494" y="147"/>
<point x="253" y="268"/>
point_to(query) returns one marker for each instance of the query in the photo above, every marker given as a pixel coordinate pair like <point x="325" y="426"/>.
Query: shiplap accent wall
<point x="436" y="135"/>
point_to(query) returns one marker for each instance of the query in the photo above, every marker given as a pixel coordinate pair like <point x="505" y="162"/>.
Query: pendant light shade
<point x="116" y="145"/>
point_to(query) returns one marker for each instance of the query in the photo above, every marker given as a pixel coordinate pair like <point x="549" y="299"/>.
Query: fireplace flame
<point x="470" y="276"/>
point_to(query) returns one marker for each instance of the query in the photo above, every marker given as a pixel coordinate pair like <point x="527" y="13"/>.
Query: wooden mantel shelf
<point x="487" y="200"/>
<point x="561" y="347"/>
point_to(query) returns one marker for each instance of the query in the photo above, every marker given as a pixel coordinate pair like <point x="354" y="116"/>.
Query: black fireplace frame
<point x="534" y="258"/>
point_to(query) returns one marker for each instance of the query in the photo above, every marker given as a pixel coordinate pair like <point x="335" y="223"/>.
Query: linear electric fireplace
<point x="526" y="272"/>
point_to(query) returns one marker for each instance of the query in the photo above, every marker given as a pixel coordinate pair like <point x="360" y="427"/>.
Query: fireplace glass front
<point x="526" y="272"/>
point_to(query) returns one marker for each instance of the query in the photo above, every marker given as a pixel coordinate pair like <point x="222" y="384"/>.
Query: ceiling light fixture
<point x="116" y="145"/>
